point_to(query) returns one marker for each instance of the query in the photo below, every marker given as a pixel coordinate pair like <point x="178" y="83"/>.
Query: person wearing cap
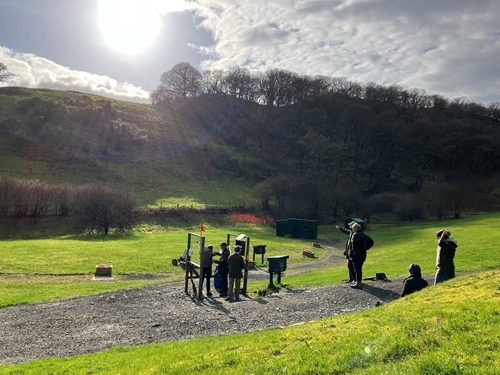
<point x="445" y="265"/>
<point x="223" y="267"/>
<point x="350" y="267"/>
<point x="414" y="282"/>
<point x="236" y="265"/>
<point x="357" y="253"/>
<point x="206" y="271"/>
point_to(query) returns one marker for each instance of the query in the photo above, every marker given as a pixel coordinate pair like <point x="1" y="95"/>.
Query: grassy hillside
<point x="312" y="155"/>
<point x="77" y="138"/>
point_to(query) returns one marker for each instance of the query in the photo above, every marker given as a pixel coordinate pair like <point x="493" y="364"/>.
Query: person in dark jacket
<point x="445" y="264"/>
<point x="414" y="282"/>
<point x="206" y="273"/>
<point x="357" y="253"/>
<point x="223" y="267"/>
<point x="236" y="265"/>
<point x="350" y="267"/>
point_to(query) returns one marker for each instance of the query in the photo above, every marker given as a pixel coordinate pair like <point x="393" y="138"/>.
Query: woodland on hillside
<point x="325" y="145"/>
<point x="313" y="147"/>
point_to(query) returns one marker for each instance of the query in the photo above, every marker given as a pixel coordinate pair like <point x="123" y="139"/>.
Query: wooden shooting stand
<point x="191" y="272"/>
<point x="244" y="242"/>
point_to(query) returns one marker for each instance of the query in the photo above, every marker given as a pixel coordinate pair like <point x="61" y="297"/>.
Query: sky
<point x="120" y="48"/>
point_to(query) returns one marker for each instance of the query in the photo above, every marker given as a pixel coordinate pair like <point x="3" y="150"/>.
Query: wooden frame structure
<point x="244" y="240"/>
<point x="191" y="272"/>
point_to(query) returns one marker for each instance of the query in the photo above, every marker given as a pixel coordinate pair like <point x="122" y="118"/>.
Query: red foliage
<point x="249" y="218"/>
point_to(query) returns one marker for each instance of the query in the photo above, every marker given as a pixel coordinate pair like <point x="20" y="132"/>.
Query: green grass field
<point x="49" y="262"/>
<point x="452" y="328"/>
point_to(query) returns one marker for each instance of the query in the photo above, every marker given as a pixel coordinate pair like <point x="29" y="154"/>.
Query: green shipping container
<point x="297" y="228"/>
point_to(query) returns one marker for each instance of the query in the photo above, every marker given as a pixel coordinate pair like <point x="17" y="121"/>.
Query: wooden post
<point x="245" y="276"/>
<point x="200" y="285"/>
<point x="187" y="265"/>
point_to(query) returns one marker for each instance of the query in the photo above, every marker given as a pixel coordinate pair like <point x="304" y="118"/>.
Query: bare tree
<point x="214" y="81"/>
<point x="62" y="198"/>
<point x="436" y="202"/>
<point x="241" y="84"/>
<point x="5" y="74"/>
<point x="276" y="87"/>
<point x="20" y="198"/>
<point x="459" y="198"/>
<point x="102" y="208"/>
<point x="181" y="82"/>
<point x="264" y="192"/>
<point x="40" y="197"/>
<point x="494" y="110"/>
<point x="7" y="188"/>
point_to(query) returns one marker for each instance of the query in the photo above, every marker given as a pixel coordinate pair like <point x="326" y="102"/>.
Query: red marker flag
<point x="202" y="228"/>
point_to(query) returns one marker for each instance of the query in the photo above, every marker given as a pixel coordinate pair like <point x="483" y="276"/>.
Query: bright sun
<point x="129" y="26"/>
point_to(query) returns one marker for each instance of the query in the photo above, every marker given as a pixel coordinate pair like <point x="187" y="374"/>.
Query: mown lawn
<point x="452" y="328"/>
<point x="46" y="264"/>
<point x="396" y="247"/>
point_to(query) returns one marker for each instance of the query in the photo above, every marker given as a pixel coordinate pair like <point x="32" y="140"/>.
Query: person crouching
<point x="414" y="282"/>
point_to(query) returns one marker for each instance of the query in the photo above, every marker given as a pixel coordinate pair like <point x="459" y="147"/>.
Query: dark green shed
<point x="297" y="228"/>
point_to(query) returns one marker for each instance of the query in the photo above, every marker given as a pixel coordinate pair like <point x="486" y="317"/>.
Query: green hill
<point x="315" y="156"/>
<point x="78" y="138"/>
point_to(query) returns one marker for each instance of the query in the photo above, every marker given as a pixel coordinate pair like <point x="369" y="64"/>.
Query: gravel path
<point x="165" y="313"/>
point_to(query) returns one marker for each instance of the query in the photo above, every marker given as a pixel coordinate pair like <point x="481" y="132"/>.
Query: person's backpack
<point x="369" y="242"/>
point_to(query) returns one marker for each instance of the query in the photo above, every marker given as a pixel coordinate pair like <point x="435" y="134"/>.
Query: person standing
<point x="414" y="282"/>
<point x="350" y="267"/>
<point x="236" y="265"/>
<point x="223" y="267"/>
<point x="206" y="273"/>
<point x="445" y="257"/>
<point x="357" y="253"/>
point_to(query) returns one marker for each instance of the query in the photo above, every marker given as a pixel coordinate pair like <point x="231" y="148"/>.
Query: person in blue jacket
<point x="223" y="267"/>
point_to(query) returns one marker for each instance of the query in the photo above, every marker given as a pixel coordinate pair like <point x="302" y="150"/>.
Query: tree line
<point x="96" y="207"/>
<point x="320" y="145"/>
<point x="281" y="87"/>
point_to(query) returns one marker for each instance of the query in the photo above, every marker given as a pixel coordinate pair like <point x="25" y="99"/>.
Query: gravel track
<point x="165" y="313"/>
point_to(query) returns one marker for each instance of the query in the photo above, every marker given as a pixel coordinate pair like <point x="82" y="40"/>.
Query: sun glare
<point x="129" y="26"/>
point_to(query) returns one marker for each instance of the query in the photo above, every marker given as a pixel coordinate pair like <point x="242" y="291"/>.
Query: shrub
<point x="384" y="202"/>
<point x="409" y="208"/>
<point x="101" y="208"/>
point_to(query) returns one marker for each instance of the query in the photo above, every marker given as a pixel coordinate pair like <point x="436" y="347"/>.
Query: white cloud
<point x="449" y="47"/>
<point x="37" y="72"/>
